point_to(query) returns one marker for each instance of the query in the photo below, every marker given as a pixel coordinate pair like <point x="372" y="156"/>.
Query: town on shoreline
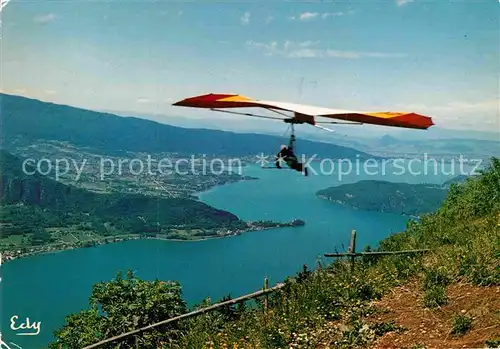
<point x="23" y="252"/>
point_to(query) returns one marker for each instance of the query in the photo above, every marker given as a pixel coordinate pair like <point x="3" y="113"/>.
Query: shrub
<point x="435" y="297"/>
<point x="461" y="325"/>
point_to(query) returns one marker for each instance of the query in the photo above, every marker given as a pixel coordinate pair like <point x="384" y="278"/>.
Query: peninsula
<point x="398" y="198"/>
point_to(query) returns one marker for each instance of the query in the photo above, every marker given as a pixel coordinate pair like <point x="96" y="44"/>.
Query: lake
<point x="48" y="287"/>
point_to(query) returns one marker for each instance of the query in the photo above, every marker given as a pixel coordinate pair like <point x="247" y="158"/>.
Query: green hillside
<point x="447" y="297"/>
<point x="33" y="203"/>
<point x="399" y="198"/>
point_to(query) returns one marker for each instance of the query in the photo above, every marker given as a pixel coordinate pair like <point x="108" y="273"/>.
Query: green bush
<point x="493" y="343"/>
<point x="461" y="325"/>
<point x="435" y="297"/>
<point x="436" y="277"/>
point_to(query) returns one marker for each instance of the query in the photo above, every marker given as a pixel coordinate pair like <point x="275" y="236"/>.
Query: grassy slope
<point x="333" y="308"/>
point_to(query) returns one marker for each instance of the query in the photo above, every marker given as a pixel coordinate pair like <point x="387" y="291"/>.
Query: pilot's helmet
<point x="283" y="147"/>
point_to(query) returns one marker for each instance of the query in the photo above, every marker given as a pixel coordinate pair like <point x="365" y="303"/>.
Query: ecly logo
<point x="27" y="328"/>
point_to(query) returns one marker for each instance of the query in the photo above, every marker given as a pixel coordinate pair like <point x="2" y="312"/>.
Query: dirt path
<point x="432" y="328"/>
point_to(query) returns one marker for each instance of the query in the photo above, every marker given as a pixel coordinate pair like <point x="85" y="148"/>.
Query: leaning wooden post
<point x="266" y="298"/>
<point x="352" y="248"/>
<point x="319" y="266"/>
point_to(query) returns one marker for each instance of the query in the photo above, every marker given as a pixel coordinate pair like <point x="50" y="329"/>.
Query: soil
<point x="433" y="328"/>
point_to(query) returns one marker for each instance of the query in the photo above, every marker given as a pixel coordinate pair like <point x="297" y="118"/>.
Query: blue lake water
<point x="48" y="287"/>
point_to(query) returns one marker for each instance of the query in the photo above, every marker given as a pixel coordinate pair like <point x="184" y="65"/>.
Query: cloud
<point x="311" y="49"/>
<point x="307" y="16"/>
<point x="50" y="17"/>
<point x="403" y="2"/>
<point x="245" y="19"/>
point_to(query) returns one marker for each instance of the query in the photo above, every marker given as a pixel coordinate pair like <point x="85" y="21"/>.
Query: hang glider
<point x="306" y="114"/>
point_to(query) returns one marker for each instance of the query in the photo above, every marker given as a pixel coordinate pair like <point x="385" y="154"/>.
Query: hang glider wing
<point x="307" y="113"/>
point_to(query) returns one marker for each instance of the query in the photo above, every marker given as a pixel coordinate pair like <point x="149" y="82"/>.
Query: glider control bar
<point x="324" y="128"/>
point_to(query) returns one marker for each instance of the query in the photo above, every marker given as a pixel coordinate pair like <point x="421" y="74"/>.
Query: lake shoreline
<point x="7" y="257"/>
<point x="345" y="204"/>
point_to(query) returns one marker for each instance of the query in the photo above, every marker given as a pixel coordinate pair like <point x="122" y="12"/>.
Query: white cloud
<point x="403" y="2"/>
<point x="50" y="17"/>
<point x="245" y="19"/>
<point x="308" y="15"/>
<point x="311" y="49"/>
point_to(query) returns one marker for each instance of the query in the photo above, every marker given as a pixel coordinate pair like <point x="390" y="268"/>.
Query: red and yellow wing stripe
<point x="214" y="100"/>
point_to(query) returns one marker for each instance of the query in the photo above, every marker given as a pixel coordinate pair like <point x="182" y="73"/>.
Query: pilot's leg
<point x="297" y="166"/>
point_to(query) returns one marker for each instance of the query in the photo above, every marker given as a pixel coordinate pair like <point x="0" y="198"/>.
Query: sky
<point x="437" y="58"/>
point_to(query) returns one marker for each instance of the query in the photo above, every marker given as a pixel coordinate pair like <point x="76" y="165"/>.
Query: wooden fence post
<point x="352" y="248"/>
<point x="319" y="266"/>
<point x="266" y="297"/>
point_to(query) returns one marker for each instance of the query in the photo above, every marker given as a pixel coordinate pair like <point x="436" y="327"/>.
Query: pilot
<point x="286" y="154"/>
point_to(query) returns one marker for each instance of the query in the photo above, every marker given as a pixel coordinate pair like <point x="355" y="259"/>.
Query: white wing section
<point x="307" y="109"/>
